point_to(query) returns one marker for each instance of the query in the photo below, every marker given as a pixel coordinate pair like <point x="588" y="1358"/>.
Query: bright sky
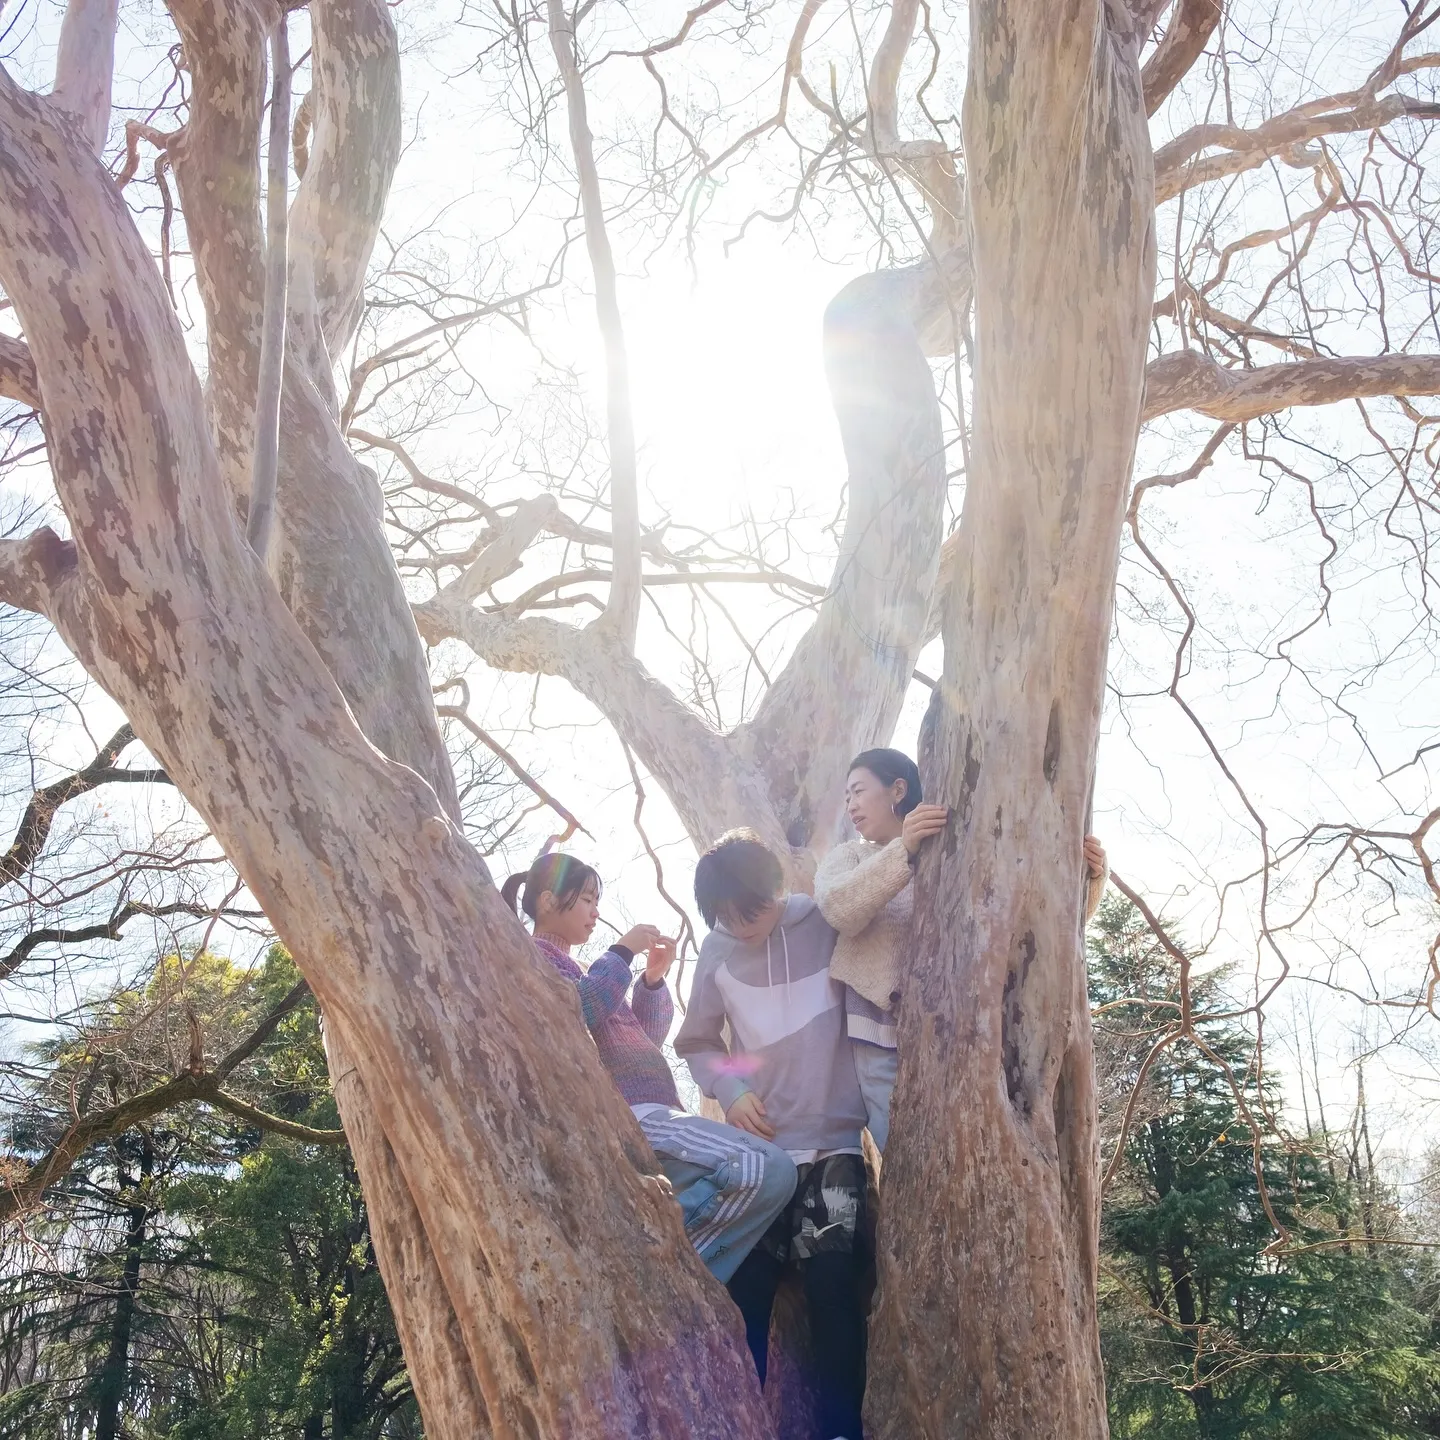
<point x="734" y="418"/>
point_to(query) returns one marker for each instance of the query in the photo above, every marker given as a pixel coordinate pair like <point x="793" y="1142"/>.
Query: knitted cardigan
<point x="864" y="891"/>
<point x="628" y="1036"/>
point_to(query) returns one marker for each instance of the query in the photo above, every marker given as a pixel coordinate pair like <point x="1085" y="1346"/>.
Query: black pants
<point x="837" y="1328"/>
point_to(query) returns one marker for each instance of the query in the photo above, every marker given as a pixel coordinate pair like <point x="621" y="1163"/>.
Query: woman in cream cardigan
<point x="863" y="889"/>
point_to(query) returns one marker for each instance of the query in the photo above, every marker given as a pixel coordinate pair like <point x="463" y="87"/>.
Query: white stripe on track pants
<point x="730" y="1185"/>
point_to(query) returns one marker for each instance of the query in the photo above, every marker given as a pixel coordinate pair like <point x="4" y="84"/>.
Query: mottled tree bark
<point x="514" y="1173"/>
<point x="989" y="1241"/>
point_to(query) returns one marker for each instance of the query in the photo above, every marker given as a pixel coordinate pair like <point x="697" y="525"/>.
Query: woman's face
<point x="871" y="806"/>
<point x="573" y="923"/>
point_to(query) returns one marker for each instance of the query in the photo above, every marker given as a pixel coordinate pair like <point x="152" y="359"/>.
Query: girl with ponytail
<point x="729" y="1185"/>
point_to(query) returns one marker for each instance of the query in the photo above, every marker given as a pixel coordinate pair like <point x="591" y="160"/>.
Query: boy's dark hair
<point x="888" y="766"/>
<point x="739" y="874"/>
<point x="563" y="876"/>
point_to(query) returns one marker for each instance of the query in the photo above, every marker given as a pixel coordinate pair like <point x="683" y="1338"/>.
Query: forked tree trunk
<point x="989" y="1243"/>
<point x="573" y="1304"/>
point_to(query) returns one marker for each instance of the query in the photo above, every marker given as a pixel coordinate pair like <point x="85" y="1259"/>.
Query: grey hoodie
<point x="787" y="1030"/>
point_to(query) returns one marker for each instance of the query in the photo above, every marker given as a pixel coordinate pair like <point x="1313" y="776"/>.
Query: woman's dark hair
<point x="563" y="876"/>
<point x="888" y="766"/>
<point x="740" y="874"/>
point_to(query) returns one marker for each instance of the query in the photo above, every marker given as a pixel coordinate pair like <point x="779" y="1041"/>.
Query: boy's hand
<point x="921" y="823"/>
<point x="1096" y="863"/>
<point x="661" y="958"/>
<point x="639" y="938"/>
<point x="748" y="1113"/>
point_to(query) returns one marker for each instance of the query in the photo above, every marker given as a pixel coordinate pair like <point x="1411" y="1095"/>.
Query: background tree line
<point x="197" y="1276"/>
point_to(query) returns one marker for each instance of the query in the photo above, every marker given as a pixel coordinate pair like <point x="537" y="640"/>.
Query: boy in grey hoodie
<point x="786" y="1074"/>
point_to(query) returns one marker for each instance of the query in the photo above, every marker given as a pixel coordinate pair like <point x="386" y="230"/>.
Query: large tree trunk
<point x="558" y="1288"/>
<point x="989" y="1240"/>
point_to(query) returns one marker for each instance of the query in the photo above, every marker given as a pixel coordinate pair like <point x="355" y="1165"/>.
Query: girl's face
<point x="871" y="806"/>
<point x="572" y="923"/>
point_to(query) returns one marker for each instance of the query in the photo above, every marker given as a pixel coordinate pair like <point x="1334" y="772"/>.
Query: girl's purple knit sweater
<point x="628" y="1036"/>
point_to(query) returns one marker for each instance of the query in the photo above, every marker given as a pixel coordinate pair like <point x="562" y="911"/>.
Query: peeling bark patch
<point x="1052" y="745"/>
<point x="971" y="776"/>
<point x="1070" y="499"/>
<point x="1010" y="1028"/>
<point x="521" y="1351"/>
<point x="929" y="728"/>
<point x="1009" y="1042"/>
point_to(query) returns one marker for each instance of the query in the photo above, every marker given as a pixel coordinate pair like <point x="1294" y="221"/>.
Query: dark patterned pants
<point x="822" y="1230"/>
<point x="825" y="1215"/>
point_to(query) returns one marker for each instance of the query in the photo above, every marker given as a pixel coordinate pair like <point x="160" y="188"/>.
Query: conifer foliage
<point x="1214" y="1323"/>
<point x="198" y="1277"/>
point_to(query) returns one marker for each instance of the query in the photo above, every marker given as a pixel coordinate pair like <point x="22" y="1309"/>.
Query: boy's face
<point x="753" y="931"/>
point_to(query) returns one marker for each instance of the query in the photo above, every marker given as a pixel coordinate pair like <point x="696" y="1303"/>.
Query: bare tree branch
<point x="1189" y="380"/>
<point x="216" y="157"/>
<point x="18" y="380"/>
<point x="461" y="713"/>
<point x="622" y="609"/>
<point x="673" y="742"/>
<point x="39" y="816"/>
<point x="354" y="148"/>
<point x="110" y="929"/>
<point x="19" y="1196"/>
<point x="686" y="934"/>
<point x="1192" y="24"/>
<point x="35" y="570"/>
<point x="84" y="66"/>
<point x="419" y="478"/>
<point x="290" y="1001"/>
<point x="1183" y="163"/>
<point x="263" y="1120"/>
<point x="929" y="162"/>
<point x="866" y="634"/>
<point x="508" y="543"/>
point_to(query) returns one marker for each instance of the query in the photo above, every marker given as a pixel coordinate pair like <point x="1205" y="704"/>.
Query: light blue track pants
<point x="875" y="1068"/>
<point x="729" y="1184"/>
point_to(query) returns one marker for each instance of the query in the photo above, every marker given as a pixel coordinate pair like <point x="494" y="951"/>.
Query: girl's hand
<point x="662" y="957"/>
<point x="658" y="1185"/>
<point x="921" y="823"/>
<point x="639" y="938"/>
<point x="1096" y="863"/>
<point x="748" y="1114"/>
